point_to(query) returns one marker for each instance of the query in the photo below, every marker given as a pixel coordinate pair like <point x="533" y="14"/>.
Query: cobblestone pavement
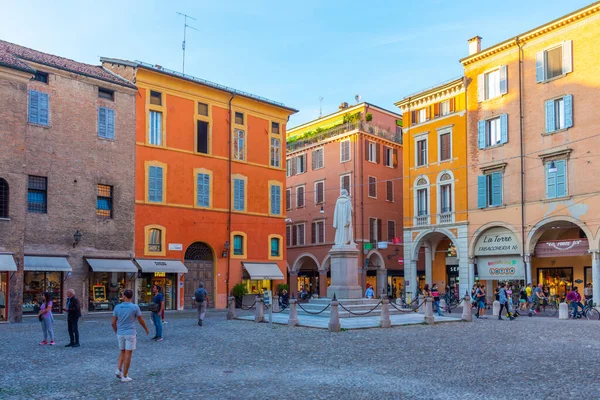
<point x="541" y="358"/>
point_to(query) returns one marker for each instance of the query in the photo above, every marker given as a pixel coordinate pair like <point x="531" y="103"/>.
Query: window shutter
<point x="567" y="61"/>
<point x="367" y="150"/>
<point x="288" y="199"/>
<point x="294" y="235"/>
<point x="561" y="183"/>
<point x="413" y="117"/>
<point x="436" y="110"/>
<point x="207" y="190"/>
<point x="242" y="194"/>
<point x="34" y="104"/>
<point x="568" y="103"/>
<point x="395" y="158"/>
<point x="44" y="110"/>
<point x="539" y="67"/>
<point x="313" y="233"/>
<point x="377" y="152"/>
<point x="481" y="134"/>
<point x="390" y="190"/>
<point x="379" y="229"/>
<point x="550" y="182"/>
<point x="288" y="235"/>
<point x="481" y="192"/>
<point x="504" y="128"/>
<point x="314" y="159"/>
<point x="110" y="123"/>
<point x="102" y="122"/>
<point x="497" y="188"/>
<point x="277" y="200"/>
<point x="481" y="88"/>
<point x="427" y="113"/>
<point x="151" y="184"/>
<point x="321" y="226"/>
<point x="371" y="230"/>
<point x="503" y="80"/>
<point x="159" y="183"/>
<point x="294" y="164"/>
<point x="452" y="105"/>
<point x="549" y="106"/>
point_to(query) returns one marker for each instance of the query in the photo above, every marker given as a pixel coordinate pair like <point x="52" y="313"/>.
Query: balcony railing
<point x="446" y="218"/>
<point x="337" y="130"/>
<point x="422" y="220"/>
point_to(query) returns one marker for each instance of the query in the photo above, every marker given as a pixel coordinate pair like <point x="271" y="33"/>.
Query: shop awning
<point x="158" y="265"/>
<point x="263" y="271"/>
<point x="45" y="263"/>
<point x="7" y="262"/>
<point x="111" y="265"/>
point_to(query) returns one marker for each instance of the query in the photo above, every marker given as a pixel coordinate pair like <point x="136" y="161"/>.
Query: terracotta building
<point x="358" y="148"/>
<point x="532" y="151"/>
<point x="66" y="180"/>
<point x="209" y="185"/>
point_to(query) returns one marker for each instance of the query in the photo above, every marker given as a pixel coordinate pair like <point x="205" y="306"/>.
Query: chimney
<point x="474" y="45"/>
<point x="343" y="106"/>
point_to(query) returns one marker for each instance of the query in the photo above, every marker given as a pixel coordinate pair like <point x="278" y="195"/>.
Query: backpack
<point x="200" y="295"/>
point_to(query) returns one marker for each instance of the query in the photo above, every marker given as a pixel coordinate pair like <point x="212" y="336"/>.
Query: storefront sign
<point x="501" y="268"/>
<point x="382" y="245"/>
<point x="497" y="241"/>
<point x="562" y="248"/>
<point x="452" y="269"/>
<point x="160" y="274"/>
<point x="175" y="246"/>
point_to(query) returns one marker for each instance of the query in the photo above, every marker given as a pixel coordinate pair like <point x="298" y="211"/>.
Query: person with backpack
<point x="503" y="299"/>
<point x="201" y="302"/>
<point x="480" y="295"/>
<point x="436" y="299"/>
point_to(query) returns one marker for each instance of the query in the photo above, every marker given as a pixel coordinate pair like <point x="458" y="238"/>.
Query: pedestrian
<point x="474" y="301"/>
<point x="73" y="310"/>
<point x="436" y="299"/>
<point x="529" y="291"/>
<point x="574" y="299"/>
<point x="503" y="299"/>
<point x="123" y="323"/>
<point x="284" y="299"/>
<point x="480" y="294"/>
<point x="46" y="319"/>
<point x="369" y="294"/>
<point x="536" y="299"/>
<point x="157" y="307"/>
<point x="201" y="300"/>
<point x="588" y="291"/>
<point x="523" y="299"/>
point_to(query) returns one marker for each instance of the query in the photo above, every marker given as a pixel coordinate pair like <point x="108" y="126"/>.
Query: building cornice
<point x="432" y="95"/>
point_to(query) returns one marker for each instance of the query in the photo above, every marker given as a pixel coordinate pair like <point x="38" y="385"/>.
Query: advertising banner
<point x="500" y="268"/>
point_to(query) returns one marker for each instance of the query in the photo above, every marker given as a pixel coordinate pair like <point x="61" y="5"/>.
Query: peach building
<point x="357" y="148"/>
<point x="533" y="155"/>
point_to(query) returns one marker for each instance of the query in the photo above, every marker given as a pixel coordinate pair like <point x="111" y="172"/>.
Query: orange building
<point x="210" y="179"/>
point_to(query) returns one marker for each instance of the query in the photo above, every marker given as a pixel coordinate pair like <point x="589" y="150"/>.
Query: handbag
<point x="154" y="307"/>
<point x="40" y="318"/>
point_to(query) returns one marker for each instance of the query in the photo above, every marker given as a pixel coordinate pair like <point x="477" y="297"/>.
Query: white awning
<point x="158" y="265"/>
<point x="111" y="265"/>
<point x="45" y="263"/>
<point x="263" y="271"/>
<point x="7" y="262"/>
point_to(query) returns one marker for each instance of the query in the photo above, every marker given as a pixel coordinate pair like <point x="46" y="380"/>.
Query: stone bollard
<point x="275" y="303"/>
<point x="429" y="310"/>
<point x="385" y="321"/>
<point x="231" y="308"/>
<point x="421" y="305"/>
<point x="563" y="311"/>
<point x="259" y="314"/>
<point x="293" y="316"/>
<point x="467" y="315"/>
<point x="496" y="308"/>
<point x="334" y="317"/>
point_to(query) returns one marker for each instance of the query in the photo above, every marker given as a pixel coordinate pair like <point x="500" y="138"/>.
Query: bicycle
<point x="588" y="312"/>
<point x="550" y="307"/>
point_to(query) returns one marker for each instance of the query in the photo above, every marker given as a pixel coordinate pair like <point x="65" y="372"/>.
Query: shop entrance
<point x="199" y="260"/>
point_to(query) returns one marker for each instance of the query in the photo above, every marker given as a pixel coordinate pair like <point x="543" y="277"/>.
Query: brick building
<point x="66" y="181"/>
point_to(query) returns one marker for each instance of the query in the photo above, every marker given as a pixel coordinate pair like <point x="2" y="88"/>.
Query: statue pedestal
<point x="344" y="273"/>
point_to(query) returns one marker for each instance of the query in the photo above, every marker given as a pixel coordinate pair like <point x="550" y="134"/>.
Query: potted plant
<point x="281" y="287"/>
<point x="369" y="117"/>
<point x="239" y="291"/>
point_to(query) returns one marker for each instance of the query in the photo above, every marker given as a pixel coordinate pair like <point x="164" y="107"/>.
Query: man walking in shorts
<point x="123" y="323"/>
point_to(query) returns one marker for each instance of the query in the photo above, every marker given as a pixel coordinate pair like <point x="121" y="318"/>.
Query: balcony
<point x="445" y="218"/>
<point x="422" y="220"/>
<point x="313" y="137"/>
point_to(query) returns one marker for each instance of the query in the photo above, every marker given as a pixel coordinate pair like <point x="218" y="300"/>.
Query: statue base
<point x="344" y="272"/>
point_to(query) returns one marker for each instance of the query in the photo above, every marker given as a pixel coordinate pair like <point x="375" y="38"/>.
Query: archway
<point x="199" y="260"/>
<point x="376" y="274"/>
<point x="305" y="272"/>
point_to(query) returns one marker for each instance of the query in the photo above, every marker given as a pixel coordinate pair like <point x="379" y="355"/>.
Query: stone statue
<point x="342" y="220"/>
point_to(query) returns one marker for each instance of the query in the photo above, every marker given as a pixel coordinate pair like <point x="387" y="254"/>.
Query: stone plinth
<point x="344" y="273"/>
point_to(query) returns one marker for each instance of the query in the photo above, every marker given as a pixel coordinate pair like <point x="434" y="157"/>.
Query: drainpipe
<point x="527" y="278"/>
<point x="229" y="198"/>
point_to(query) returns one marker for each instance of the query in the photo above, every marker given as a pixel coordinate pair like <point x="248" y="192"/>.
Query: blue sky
<point x="293" y="52"/>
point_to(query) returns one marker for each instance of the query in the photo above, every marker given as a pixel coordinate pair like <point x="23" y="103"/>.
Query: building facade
<point x="210" y="178"/>
<point x="435" y="187"/>
<point x="359" y="149"/>
<point x="66" y="180"/>
<point x="532" y="155"/>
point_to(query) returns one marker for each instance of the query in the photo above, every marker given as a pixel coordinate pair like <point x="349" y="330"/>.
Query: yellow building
<point x="435" y="188"/>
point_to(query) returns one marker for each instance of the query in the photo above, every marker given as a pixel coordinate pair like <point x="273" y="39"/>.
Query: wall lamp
<point x="77" y="238"/>
<point x="226" y="250"/>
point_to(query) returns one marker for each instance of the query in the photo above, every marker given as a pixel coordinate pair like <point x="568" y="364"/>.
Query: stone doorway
<point x="199" y="260"/>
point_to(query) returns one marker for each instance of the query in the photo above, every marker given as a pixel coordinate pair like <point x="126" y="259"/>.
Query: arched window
<point x="445" y="183"/>
<point x="3" y="198"/>
<point x="421" y="191"/>
<point x="155" y="240"/>
<point x="239" y="242"/>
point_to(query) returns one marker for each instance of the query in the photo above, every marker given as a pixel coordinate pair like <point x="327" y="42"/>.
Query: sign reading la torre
<point x="497" y="241"/>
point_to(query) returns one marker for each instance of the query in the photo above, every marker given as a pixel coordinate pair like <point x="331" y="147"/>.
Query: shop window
<point x="35" y="283"/>
<point x="559" y="281"/>
<point x="168" y="283"/>
<point x="37" y="194"/>
<point x="106" y="289"/>
<point x="104" y="201"/>
<point x="3" y="198"/>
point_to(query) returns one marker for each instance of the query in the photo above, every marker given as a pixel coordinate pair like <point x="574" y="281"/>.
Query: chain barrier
<point x="247" y="308"/>
<point x="408" y="311"/>
<point x="312" y="312"/>
<point x="370" y="311"/>
<point x="281" y="309"/>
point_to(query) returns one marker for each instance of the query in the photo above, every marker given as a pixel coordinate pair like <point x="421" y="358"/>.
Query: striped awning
<point x="111" y="265"/>
<point x="47" y="263"/>
<point x="7" y="263"/>
<point x="260" y="271"/>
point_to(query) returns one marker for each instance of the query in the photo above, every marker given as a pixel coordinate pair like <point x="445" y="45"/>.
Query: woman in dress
<point x="46" y="319"/>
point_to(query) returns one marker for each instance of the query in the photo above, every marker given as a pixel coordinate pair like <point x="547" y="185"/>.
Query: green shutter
<point x="481" y="192"/>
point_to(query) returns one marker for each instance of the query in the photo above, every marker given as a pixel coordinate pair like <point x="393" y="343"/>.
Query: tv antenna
<point x="185" y="26"/>
<point x="358" y="98"/>
<point x="320" y="106"/>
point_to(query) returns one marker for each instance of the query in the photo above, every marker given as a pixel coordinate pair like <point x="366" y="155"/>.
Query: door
<point x="199" y="260"/>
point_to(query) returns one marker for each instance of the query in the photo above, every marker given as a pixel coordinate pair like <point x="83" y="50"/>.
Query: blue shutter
<point x="44" y="110"/>
<point x="206" y="190"/>
<point x="110" y="123"/>
<point x="550" y="182"/>
<point x="275" y="200"/>
<point x="481" y="134"/>
<point x="102" y="122"/>
<point x="242" y="195"/>
<point x="151" y="184"/>
<point x="497" y="188"/>
<point x="238" y="195"/>
<point x="203" y="187"/>
<point x="504" y="128"/>
<point x="568" y="103"/>
<point x="539" y="67"/>
<point x="503" y="80"/>
<point x="159" y="184"/>
<point x="561" y="187"/>
<point x="550" y="118"/>
<point x="481" y="192"/>
<point x="34" y="104"/>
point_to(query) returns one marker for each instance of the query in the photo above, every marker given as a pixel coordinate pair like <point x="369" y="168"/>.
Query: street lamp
<point x="224" y="252"/>
<point x="76" y="238"/>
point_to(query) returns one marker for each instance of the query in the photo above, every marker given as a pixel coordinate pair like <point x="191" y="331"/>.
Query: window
<point x="559" y="113"/>
<point x="554" y="62"/>
<point x="391" y="231"/>
<point x="445" y="107"/>
<point x="372" y="187"/>
<point x="275" y="152"/>
<point x="389" y="191"/>
<point x="239" y="118"/>
<point x="275" y="200"/>
<point x="317" y="159"/>
<point x="422" y="115"/>
<point x="317" y="232"/>
<point x="155" y="128"/>
<point x="106" y="94"/>
<point x="446" y="198"/>
<point x="202" y="189"/>
<point x="492" y="84"/>
<point x="300" y="196"/>
<point x="38" y="108"/>
<point x="288" y="167"/>
<point x="288" y="199"/>
<point x="238" y="144"/>
<point x="104" y="201"/>
<point x="106" y="123"/>
<point x="489" y="190"/>
<point x="319" y="192"/>
<point x="3" y="198"/>
<point x="492" y="132"/>
<point x="203" y="109"/>
<point x="275" y="247"/>
<point x="239" y="194"/>
<point x="345" y="150"/>
<point x="556" y="179"/>
<point x="155" y="240"/>
<point x="388" y="156"/>
<point x="40" y="76"/>
<point x="155" y="98"/>
<point x="345" y="183"/>
<point x="300" y="164"/>
<point x="422" y="203"/>
<point x="155" y="184"/>
<point x="421" y="152"/>
<point x="288" y="235"/>
<point x="445" y="146"/>
<point x="298" y="235"/>
<point x="202" y="137"/>
<point x="372" y="152"/>
<point x="275" y="128"/>
<point x="375" y="230"/>
<point x="238" y="245"/>
<point x="37" y="194"/>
